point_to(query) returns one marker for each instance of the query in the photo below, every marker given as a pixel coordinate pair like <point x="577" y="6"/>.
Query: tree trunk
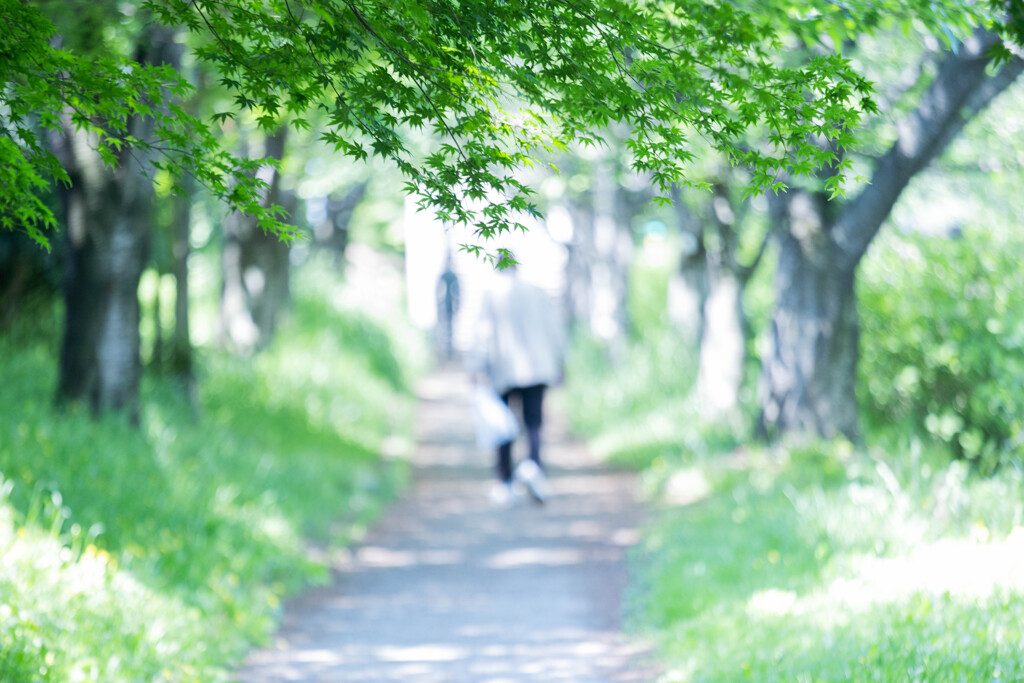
<point x="613" y="251"/>
<point x="108" y="213"/>
<point x="723" y="339"/>
<point x="108" y="231"/>
<point x="156" y="358"/>
<point x="688" y="286"/>
<point x="722" y="349"/>
<point x="580" y="256"/>
<point x="181" y="342"/>
<point x="12" y="288"/>
<point x="809" y="377"/>
<point x="332" y="232"/>
<point x="256" y="269"/>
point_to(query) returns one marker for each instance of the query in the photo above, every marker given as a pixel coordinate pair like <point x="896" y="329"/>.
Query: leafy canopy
<point x="48" y="87"/>
<point x="500" y="82"/>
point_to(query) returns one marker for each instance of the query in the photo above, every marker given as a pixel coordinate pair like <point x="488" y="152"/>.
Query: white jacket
<point x="521" y="339"/>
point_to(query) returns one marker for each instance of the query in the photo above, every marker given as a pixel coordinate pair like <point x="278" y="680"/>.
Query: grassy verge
<point x="163" y="553"/>
<point x="818" y="563"/>
<point x="828" y="565"/>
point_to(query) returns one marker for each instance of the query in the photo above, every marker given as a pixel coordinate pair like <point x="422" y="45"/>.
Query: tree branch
<point x="960" y="91"/>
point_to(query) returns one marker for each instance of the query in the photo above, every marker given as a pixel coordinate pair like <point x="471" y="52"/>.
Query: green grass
<point x="163" y="553"/>
<point x="838" y="568"/>
<point x="823" y="562"/>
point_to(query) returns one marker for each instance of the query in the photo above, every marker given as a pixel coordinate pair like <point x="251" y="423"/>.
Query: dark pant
<point x="532" y="401"/>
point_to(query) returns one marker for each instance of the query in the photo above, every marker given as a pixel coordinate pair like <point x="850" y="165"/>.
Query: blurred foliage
<point x="633" y="413"/>
<point x="639" y="408"/>
<point x="943" y="341"/>
<point x="162" y="553"/>
<point x="648" y="291"/>
<point x="825" y="561"/>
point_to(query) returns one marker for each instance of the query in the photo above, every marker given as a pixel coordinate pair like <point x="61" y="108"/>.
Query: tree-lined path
<point x="448" y="588"/>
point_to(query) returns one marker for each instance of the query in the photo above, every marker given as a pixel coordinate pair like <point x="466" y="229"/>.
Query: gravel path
<point x="448" y="588"/>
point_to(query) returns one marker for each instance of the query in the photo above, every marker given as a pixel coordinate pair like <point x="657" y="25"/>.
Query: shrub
<point x="942" y="340"/>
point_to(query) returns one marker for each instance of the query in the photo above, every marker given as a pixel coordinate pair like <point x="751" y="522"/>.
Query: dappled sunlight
<point x="626" y="537"/>
<point x="449" y="587"/>
<point x="317" y="657"/>
<point x="421" y="653"/>
<point x="583" y="528"/>
<point x="951" y="608"/>
<point x="771" y="601"/>
<point x="792" y="565"/>
<point x="544" y="556"/>
<point x="687" y="486"/>
<point x="487" y="653"/>
<point x="587" y="485"/>
<point x="963" y="569"/>
<point x="370" y="556"/>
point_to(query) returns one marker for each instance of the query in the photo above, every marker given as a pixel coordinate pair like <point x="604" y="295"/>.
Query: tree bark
<point x="961" y="90"/>
<point x="156" y="359"/>
<point x="332" y="232"/>
<point x="12" y="288"/>
<point x="256" y="285"/>
<point x="580" y="256"/>
<point x="597" y="272"/>
<point x="108" y="235"/>
<point x="108" y="214"/>
<point x="723" y="339"/>
<point x="809" y="377"/>
<point x="722" y="349"/>
<point x="688" y="286"/>
<point x="181" y="341"/>
<point x="613" y="251"/>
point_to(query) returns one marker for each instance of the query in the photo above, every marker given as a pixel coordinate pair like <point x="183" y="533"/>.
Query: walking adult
<point x="521" y="345"/>
<point x="448" y="301"/>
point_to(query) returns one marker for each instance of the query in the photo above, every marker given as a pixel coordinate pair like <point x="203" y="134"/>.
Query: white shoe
<point x="502" y="495"/>
<point x="532" y="476"/>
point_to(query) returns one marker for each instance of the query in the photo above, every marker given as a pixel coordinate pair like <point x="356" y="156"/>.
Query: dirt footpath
<point x="448" y="588"/>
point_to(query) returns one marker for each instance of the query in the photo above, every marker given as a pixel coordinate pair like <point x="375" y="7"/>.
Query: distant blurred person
<point x="521" y="350"/>
<point x="447" y="307"/>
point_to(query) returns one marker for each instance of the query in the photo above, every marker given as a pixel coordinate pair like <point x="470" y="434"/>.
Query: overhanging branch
<point x="960" y="91"/>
